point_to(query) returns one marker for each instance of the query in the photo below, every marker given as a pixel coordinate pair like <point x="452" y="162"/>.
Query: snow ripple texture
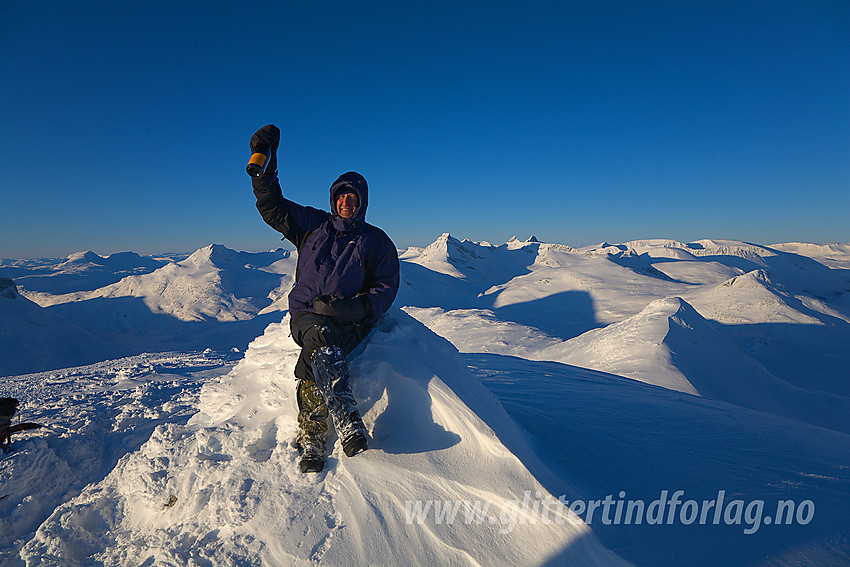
<point x="224" y="488"/>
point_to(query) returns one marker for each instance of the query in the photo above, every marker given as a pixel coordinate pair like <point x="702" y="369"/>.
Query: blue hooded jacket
<point x="338" y="257"/>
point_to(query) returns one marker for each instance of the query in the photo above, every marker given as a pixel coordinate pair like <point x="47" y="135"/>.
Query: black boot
<point x="312" y="455"/>
<point x="309" y="464"/>
<point x="352" y="435"/>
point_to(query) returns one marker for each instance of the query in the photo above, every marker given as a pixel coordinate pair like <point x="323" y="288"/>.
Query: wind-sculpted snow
<point x="669" y="344"/>
<point x="225" y="488"/>
<point x="93" y="415"/>
<point x="628" y="441"/>
<point x="727" y="368"/>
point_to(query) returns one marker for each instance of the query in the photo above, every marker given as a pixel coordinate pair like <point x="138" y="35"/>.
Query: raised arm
<point x="292" y="220"/>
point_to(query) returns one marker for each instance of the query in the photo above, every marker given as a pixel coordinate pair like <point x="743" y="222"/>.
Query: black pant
<point x="311" y="331"/>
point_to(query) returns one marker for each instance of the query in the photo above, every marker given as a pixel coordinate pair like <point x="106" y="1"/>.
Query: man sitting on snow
<point x="346" y="279"/>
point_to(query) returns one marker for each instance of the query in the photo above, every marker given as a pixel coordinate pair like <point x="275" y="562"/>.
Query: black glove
<point x="266" y="140"/>
<point x="345" y="311"/>
<point x="266" y="137"/>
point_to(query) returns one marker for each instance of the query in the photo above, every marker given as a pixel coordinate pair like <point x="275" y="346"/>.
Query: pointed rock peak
<point x="8" y="289"/>
<point x="516" y="244"/>
<point x="449" y="250"/>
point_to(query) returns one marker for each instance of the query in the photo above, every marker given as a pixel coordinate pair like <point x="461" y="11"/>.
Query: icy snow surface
<point x="506" y="375"/>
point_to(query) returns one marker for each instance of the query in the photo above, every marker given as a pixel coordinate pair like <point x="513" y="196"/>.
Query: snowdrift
<point x="225" y="489"/>
<point x="122" y="476"/>
<point x="610" y="434"/>
<point x="669" y="344"/>
<point x="93" y="415"/>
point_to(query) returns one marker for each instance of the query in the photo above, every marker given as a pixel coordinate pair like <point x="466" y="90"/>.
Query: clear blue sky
<point x="125" y="125"/>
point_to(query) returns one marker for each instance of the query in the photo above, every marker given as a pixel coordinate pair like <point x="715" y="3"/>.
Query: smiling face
<point x="346" y="204"/>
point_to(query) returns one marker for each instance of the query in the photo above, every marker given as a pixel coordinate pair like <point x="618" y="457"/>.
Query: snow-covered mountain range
<point x="509" y="375"/>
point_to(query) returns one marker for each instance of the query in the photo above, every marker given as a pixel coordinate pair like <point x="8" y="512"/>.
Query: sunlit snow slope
<point x="707" y="367"/>
<point x="225" y="488"/>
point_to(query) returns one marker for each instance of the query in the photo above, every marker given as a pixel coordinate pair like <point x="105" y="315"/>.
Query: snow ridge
<point x="224" y="488"/>
<point x="740" y="347"/>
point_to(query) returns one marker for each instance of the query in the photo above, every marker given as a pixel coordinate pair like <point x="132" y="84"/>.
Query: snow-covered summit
<point x="80" y="271"/>
<point x="213" y="255"/>
<point x="752" y="298"/>
<point x="119" y="262"/>
<point x="225" y="489"/>
<point x="448" y="255"/>
<point x="213" y="282"/>
<point x="88" y="257"/>
<point x="695" y="334"/>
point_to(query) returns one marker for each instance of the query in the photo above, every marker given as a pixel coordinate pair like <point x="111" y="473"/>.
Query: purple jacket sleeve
<point x="383" y="280"/>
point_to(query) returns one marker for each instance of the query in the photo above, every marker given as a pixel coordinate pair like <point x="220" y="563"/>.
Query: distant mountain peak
<point x="756" y="279"/>
<point x="87" y="256"/>
<point x="81" y="262"/>
<point x="515" y="238"/>
<point x="215" y="254"/>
